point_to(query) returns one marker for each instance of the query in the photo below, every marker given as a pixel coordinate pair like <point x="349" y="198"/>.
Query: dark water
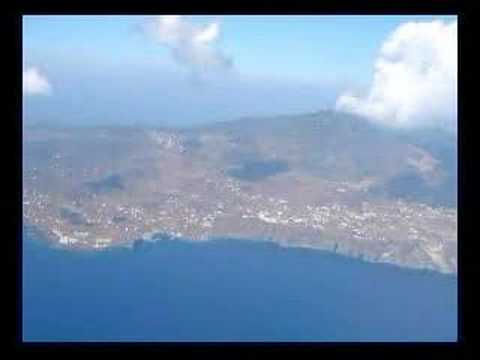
<point x="229" y="290"/>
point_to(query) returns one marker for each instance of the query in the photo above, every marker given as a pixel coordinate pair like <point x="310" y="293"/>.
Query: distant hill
<point x="419" y="165"/>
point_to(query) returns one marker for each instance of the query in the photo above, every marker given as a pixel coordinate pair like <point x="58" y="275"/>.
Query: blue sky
<point x="105" y="69"/>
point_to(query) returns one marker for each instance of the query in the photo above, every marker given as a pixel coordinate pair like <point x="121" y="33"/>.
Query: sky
<point x="186" y="70"/>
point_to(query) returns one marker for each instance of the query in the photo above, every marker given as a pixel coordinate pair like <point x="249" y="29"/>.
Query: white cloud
<point x="415" y="79"/>
<point x="35" y="83"/>
<point x="191" y="45"/>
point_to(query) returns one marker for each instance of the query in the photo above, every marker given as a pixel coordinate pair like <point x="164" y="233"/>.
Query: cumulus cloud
<point x="34" y="82"/>
<point x="194" y="46"/>
<point x="415" y="79"/>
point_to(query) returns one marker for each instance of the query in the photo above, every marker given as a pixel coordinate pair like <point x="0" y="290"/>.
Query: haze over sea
<point x="229" y="290"/>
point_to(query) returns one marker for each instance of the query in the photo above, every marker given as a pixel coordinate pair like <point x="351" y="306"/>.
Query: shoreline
<point x="157" y="238"/>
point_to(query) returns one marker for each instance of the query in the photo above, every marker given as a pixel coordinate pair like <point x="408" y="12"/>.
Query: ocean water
<point x="229" y="290"/>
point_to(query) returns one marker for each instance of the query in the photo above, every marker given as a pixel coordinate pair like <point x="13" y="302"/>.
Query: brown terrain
<point x="321" y="181"/>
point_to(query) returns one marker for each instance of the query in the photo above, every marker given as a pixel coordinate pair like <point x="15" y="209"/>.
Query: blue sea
<point x="229" y="290"/>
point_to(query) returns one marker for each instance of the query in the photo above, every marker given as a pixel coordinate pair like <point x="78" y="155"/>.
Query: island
<point x="326" y="180"/>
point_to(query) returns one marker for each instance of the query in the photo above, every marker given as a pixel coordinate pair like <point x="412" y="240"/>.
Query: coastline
<point x="158" y="237"/>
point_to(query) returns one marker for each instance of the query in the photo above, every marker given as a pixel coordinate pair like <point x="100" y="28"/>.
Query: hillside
<point x="324" y="180"/>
